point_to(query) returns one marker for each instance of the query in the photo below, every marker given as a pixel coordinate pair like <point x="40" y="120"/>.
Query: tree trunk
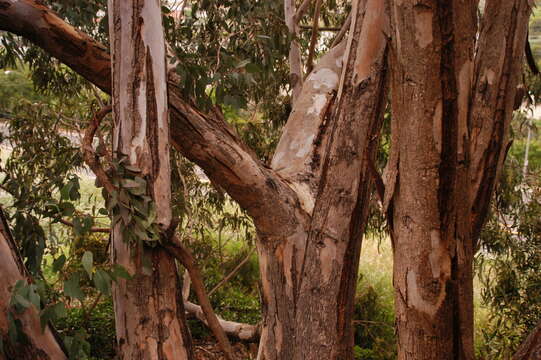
<point x="431" y="82"/>
<point x="38" y="345"/>
<point x="309" y="268"/>
<point x="149" y="312"/>
<point x="458" y="110"/>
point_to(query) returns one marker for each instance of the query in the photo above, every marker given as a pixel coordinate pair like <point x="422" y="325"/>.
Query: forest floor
<point x="208" y="349"/>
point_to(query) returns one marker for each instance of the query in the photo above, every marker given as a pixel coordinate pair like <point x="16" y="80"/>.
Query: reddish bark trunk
<point x="435" y="185"/>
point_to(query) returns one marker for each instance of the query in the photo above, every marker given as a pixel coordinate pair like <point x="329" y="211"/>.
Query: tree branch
<point x="205" y="139"/>
<point x="105" y="230"/>
<point x="90" y="156"/>
<point x="232" y="273"/>
<point x="244" y="332"/>
<point x="301" y="10"/>
<point x="530" y="349"/>
<point x="37" y="23"/>
<point x="342" y="32"/>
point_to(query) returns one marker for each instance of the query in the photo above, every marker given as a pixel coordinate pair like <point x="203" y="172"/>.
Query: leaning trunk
<point x="309" y="268"/>
<point x="37" y="344"/>
<point x="149" y="312"/>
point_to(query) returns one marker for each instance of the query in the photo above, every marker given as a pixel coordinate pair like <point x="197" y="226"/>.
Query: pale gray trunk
<point x="149" y="311"/>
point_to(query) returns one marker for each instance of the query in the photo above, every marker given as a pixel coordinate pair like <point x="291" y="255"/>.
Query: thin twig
<point x="313" y="39"/>
<point x="91" y="308"/>
<point x="232" y="273"/>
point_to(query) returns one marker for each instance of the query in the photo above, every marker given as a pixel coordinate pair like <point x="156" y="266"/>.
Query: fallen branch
<point x="244" y="332"/>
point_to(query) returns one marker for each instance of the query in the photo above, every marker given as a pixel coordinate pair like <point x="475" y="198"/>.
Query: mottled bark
<point x="149" y="311"/>
<point x="309" y="275"/>
<point x="38" y="345"/>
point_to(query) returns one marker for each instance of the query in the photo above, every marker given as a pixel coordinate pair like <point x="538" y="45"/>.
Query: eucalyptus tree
<point x="149" y="313"/>
<point x="452" y="93"/>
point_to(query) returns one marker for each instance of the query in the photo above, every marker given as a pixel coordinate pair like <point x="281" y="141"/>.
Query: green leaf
<point x="20" y="300"/>
<point x="72" y="288"/>
<point x="87" y="261"/>
<point x="102" y="280"/>
<point x="242" y="64"/>
<point x="34" y="297"/>
<point x="59" y="262"/>
<point x="52" y="313"/>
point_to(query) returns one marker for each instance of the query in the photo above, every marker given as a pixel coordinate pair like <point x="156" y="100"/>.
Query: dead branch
<point x="244" y="332"/>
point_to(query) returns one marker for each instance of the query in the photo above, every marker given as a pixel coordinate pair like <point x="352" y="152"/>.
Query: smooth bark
<point x="38" y="345"/>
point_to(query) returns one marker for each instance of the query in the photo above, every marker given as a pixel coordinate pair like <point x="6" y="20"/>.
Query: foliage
<point x="99" y="326"/>
<point x="509" y="264"/>
<point x="374" y="303"/>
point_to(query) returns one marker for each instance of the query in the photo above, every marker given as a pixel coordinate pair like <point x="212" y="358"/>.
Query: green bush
<point x="374" y="326"/>
<point x="99" y="326"/>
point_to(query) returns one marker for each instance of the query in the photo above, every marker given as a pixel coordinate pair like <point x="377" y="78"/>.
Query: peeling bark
<point x="149" y="311"/>
<point x="309" y="277"/>
<point x="39" y="345"/>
